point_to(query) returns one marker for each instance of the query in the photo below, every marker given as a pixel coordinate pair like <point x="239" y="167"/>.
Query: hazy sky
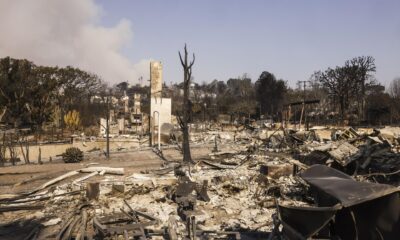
<point x="291" y="39"/>
<point x="288" y="38"/>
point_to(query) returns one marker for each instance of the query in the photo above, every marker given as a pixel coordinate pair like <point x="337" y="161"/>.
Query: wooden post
<point x="301" y="116"/>
<point x="40" y="156"/>
<point x="92" y="190"/>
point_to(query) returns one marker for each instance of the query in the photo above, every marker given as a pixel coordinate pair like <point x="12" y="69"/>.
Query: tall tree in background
<point x="270" y="93"/>
<point x="378" y="104"/>
<point x="240" y="96"/>
<point x="43" y="90"/>
<point x="339" y="85"/>
<point x="15" y="77"/>
<point x="183" y="121"/>
<point x="394" y="92"/>
<point x="361" y="69"/>
<point x="347" y="84"/>
<point x="76" y="87"/>
<point x="394" y="89"/>
<point x="27" y="91"/>
<point x="30" y="94"/>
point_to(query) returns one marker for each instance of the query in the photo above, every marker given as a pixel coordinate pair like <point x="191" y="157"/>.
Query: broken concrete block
<point x="323" y="134"/>
<point x="342" y="153"/>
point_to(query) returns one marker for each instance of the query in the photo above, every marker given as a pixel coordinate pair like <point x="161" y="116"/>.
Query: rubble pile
<point x="219" y="198"/>
<point x="275" y="184"/>
<point x="372" y="155"/>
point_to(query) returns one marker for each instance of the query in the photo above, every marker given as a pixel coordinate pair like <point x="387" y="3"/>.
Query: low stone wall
<point x="52" y="150"/>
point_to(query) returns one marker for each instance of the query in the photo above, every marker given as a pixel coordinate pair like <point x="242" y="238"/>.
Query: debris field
<point x="268" y="184"/>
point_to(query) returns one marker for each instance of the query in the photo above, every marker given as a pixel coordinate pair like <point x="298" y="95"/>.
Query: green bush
<point x="72" y="155"/>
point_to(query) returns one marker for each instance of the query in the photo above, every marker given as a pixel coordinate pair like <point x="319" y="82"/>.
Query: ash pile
<point x="228" y="197"/>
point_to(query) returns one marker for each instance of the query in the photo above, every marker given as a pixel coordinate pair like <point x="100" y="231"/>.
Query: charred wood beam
<point x="20" y="208"/>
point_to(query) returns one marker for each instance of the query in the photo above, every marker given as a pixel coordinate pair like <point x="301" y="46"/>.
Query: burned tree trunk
<point x="183" y="121"/>
<point x="3" y="113"/>
<point x="3" y="149"/>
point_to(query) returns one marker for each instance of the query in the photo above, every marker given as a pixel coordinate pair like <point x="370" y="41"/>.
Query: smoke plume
<point x="58" y="32"/>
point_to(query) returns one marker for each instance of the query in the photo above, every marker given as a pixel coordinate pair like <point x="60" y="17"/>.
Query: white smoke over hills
<point x="58" y="32"/>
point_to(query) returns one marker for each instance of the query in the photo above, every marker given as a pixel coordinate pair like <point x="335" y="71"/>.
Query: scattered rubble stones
<point x="242" y="184"/>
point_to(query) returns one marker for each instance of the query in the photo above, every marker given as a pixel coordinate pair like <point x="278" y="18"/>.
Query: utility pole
<point x="141" y="81"/>
<point x="303" y="104"/>
<point x="108" y="126"/>
<point x="204" y="112"/>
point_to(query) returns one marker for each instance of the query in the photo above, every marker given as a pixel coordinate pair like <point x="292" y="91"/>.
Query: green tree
<point x="240" y="96"/>
<point x="270" y="93"/>
<point x="76" y="89"/>
<point x="43" y="91"/>
<point x="29" y="94"/>
<point x="378" y="104"/>
<point x="15" y="77"/>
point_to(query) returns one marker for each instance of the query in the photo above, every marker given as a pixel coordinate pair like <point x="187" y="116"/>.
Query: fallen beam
<point x="44" y="198"/>
<point x="55" y="180"/>
<point x="109" y="170"/>
<point x="85" y="177"/>
<point x="104" y="170"/>
<point x="20" y="208"/>
<point x="216" y="165"/>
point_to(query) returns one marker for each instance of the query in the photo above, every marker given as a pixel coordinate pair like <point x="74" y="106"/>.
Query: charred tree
<point x="184" y="119"/>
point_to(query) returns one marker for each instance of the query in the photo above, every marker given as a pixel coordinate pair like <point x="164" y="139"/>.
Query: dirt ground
<point x="14" y="179"/>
